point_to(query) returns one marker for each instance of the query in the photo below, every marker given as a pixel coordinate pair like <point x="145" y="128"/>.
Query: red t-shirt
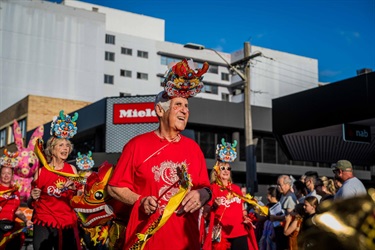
<point x="230" y="211"/>
<point x="147" y="166"/>
<point x="9" y="203"/>
<point x="52" y="208"/>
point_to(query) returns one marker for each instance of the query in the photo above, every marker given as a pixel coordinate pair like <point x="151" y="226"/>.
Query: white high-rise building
<point x="77" y="50"/>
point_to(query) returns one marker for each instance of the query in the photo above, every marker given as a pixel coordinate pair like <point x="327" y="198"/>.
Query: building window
<point x="212" y="69"/>
<point x="126" y="51"/>
<point x="225" y="76"/>
<point x="22" y="124"/>
<point x="3" y="137"/>
<point x="225" y="97"/>
<point x="164" y="60"/>
<point x="125" y="73"/>
<point x="142" y="76"/>
<point x="110" y="39"/>
<point x="210" y="89"/>
<point x="143" y="54"/>
<point x="109" y="56"/>
<point x="108" y="79"/>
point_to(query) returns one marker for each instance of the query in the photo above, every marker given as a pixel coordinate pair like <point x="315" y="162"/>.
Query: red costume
<point x="9" y="202"/>
<point x="230" y="216"/>
<point x="147" y="167"/>
<point x="52" y="208"/>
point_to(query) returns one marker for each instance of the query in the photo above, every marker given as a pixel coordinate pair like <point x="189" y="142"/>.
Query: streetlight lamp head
<point x="194" y="46"/>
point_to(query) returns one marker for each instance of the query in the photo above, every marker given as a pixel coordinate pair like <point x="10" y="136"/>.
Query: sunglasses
<point x="225" y="168"/>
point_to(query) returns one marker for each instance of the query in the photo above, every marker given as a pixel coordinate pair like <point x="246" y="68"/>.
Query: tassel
<point x="222" y="245"/>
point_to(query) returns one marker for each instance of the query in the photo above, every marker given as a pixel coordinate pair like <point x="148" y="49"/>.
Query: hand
<point x="70" y="185"/>
<point x="149" y="204"/>
<point x="193" y="201"/>
<point x="217" y="202"/>
<point x="29" y="223"/>
<point x="35" y="193"/>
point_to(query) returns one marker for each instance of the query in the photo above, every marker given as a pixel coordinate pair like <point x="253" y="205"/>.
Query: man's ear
<point x="159" y="110"/>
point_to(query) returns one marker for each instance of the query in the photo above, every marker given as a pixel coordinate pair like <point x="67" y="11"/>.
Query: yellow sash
<point x="262" y="210"/>
<point x="172" y="205"/>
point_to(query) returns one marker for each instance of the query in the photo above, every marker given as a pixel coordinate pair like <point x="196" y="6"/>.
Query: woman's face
<point x="6" y="175"/>
<point x="309" y="209"/>
<point x="224" y="171"/>
<point x="61" y="150"/>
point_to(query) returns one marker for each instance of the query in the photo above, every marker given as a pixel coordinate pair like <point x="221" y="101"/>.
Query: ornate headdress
<point x="181" y="80"/>
<point x="9" y="159"/>
<point x="64" y="126"/>
<point x="85" y="162"/>
<point x="226" y="152"/>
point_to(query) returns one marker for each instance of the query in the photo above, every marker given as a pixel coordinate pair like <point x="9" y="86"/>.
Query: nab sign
<point x="356" y="133"/>
<point x="124" y="113"/>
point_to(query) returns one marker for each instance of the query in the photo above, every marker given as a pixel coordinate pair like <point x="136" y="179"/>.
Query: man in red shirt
<point x="147" y="174"/>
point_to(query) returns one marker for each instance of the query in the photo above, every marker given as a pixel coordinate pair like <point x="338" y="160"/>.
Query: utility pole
<point x="244" y="74"/>
<point x="251" y="169"/>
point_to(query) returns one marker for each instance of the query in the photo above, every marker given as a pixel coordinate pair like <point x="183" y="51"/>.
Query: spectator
<point x="300" y="190"/>
<point x="267" y="240"/>
<point x="152" y="165"/>
<point x="310" y="205"/>
<point x="326" y="188"/>
<point x="310" y="182"/>
<point x="292" y="225"/>
<point x="288" y="201"/>
<point x="351" y="185"/>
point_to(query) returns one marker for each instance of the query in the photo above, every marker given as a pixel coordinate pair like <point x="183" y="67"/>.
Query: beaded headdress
<point x="64" y="126"/>
<point x="183" y="80"/>
<point x="226" y="151"/>
<point x="9" y="159"/>
<point x="85" y="162"/>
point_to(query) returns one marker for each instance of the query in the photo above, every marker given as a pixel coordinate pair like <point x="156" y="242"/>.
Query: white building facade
<point x="86" y="52"/>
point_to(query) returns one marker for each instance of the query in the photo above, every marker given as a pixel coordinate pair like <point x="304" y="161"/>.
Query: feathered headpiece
<point x="183" y="80"/>
<point x="85" y="162"/>
<point x="9" y="159"/>
<point x="226" y="152"/>
<point x="64" y="126"/>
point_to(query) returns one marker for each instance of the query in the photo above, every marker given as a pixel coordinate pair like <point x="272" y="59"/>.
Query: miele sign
<point x="124" y="113"/>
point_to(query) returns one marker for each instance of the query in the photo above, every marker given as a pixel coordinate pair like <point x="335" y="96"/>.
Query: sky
<point x="340" y="34"/>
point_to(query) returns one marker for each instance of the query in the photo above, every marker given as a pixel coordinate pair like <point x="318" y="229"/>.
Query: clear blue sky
<point x="340" y="34"/>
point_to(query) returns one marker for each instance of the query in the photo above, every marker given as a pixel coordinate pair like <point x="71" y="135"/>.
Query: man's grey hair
<point x="163" y="100"/>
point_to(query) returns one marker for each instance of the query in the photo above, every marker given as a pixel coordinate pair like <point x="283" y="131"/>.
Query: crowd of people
<point x="161" y="177"/>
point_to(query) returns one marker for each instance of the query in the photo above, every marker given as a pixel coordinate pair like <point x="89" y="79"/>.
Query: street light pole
<point x="251" y="170"/>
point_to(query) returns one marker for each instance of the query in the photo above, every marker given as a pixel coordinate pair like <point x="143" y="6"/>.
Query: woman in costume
<point x="9" y="205"/>
<point x="55" y="222"/>
<point x="230" y="227"/>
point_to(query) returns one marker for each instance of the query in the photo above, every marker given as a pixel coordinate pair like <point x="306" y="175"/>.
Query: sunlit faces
<point x="178" y="113"/>
<point x="6" y="175"/>
<point x="224" y="170"/>
<point x="309" y="209"/>
<point x="283" y="188"/>
<point x="62" y="149"/>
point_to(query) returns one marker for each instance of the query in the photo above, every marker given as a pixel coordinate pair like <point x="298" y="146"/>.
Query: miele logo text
<point x="134" y="113"/>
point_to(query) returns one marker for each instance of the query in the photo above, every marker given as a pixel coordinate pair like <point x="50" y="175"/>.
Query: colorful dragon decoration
<point x="102" y="217"/>
<point x="183" y="81"/>
<point x="64" y="126"/>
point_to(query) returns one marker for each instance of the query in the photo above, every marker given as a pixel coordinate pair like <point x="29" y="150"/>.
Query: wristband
<point x="209" y="193"/>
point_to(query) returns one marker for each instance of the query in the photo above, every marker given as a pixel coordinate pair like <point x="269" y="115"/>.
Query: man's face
<point x="178" y="114"/>
<point x="283" y="188"/>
